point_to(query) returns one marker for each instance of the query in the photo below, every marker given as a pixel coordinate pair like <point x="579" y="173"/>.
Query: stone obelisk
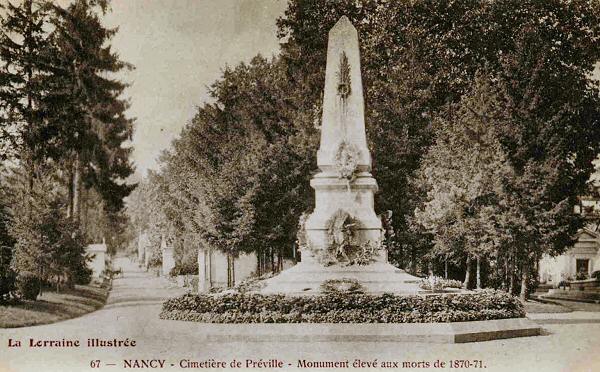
<point x="343" y="145"/>
<point x="343" y="234"/>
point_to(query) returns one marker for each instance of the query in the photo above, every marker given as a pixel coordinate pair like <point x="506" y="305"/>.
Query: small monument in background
<point x="168" y="257"/>
<point x="97" y="254"/>
<point x="342" y="238"/>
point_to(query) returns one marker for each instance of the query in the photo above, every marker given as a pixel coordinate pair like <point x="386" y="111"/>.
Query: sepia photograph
<point x="299" y="185"/>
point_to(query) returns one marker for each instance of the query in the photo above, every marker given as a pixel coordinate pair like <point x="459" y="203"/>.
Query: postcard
<point x="295" y="185"/>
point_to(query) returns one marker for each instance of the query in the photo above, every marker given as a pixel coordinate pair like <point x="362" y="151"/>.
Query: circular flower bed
<point x="343" y="308"/>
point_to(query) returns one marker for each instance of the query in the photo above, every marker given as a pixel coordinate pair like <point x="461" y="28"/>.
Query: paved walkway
<point x="132" y="313"/>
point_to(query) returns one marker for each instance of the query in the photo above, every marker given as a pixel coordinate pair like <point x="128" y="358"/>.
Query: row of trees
<point x="62" y="131"/>
<point x="482" y="118"/>
<point x="237" y="178"/>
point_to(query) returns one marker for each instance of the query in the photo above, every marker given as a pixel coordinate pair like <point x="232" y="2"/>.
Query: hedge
<point x="343" y="308"/>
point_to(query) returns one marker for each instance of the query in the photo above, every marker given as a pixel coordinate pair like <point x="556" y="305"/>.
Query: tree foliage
<point x="7" y="274"/>
<point x="464" y="175"/>
<point x="63" y="129"/>
<point x="48" y="245"/>
<point x="419" y="56"/>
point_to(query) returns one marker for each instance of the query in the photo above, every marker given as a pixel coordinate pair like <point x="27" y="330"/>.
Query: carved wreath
<point x="344" y="245"/>
<point x="346" y="160"/>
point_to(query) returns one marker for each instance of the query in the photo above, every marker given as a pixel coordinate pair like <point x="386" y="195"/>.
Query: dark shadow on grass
<point x="52" y="307"/>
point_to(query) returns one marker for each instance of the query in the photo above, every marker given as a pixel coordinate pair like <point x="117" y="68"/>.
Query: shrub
<point x="28" y="286"/>
<point x="434" y="283"/>
<point x="155" y="259"/>
<point x="7" y="283"/>
<point x="563" y="284"/>
<point x="582" y="275"/>
<point x="344" y="285"/>
<point x="7" y="275"/>
<point x="82" y="275"/>
<point x="343" y="308"/>
<point x="185" y="268"/>
<point x="453" y="283"/>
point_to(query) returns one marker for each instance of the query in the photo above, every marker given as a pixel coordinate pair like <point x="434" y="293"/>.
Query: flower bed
<point x="343" y="308"/>
<point x="434" y="283"/>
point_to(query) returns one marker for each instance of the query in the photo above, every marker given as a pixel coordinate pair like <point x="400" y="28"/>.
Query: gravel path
<point x="132" y="313"/>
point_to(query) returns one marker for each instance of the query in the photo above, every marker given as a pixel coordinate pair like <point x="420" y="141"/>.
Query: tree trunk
<point x="446" y="268"/>
<point x="279" y="260"/>
<point x="467" y="274"/>
<point x="83" y="212"/>
<point x="504" y="284"/>
<point x="272" y="254"/>
<point x="230" y="273"/>
<point x="70" y="187"/>
<point x="258" y="261"/>
<point x="76" y="188"/>
<point x="413" y="263"/>
<point x="524" y="281"/>
<point x="478" y="272"/>
<point x="511" y="275"/>
<point x="41" y="275"/>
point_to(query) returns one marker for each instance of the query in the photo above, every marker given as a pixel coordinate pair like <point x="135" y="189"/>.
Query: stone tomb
<point x="97" y="252"/>
<point x="168" y="258"/>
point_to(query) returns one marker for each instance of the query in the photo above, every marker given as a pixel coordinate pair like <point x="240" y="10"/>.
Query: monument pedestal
<point x="306" y="278"/>
<point x="333" y="194"/>
<point x="356" y="198"/>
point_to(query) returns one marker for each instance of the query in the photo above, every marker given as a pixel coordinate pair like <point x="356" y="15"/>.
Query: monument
<point x="97" y="263"/>
<point x="168" y="257"/>
<point x="341" y="240"/>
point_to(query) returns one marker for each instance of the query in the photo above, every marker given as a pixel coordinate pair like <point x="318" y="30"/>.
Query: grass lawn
<point x="52" y="307"/>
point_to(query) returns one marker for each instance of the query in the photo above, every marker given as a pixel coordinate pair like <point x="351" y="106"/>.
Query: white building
<point x="583" y="257"/>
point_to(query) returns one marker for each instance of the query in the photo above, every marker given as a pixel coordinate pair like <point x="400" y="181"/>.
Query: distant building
<point x="582" y="258"/>
<point x="97" y="252"/>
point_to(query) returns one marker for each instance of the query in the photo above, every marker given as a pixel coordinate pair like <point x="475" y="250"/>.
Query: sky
<point x="179" y="48"/>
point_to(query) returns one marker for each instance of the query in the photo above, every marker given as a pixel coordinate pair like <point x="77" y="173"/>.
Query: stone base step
<point x="307" y="278"/>
<point x="459" y="332"/>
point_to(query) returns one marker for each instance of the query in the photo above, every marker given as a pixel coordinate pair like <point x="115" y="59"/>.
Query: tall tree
<point x="464" y="175"/>
<point x="48" y="246"/>
<point x="7" y="242"/>
<point x="24" y="65"/>
<point x="85" y="105"/>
